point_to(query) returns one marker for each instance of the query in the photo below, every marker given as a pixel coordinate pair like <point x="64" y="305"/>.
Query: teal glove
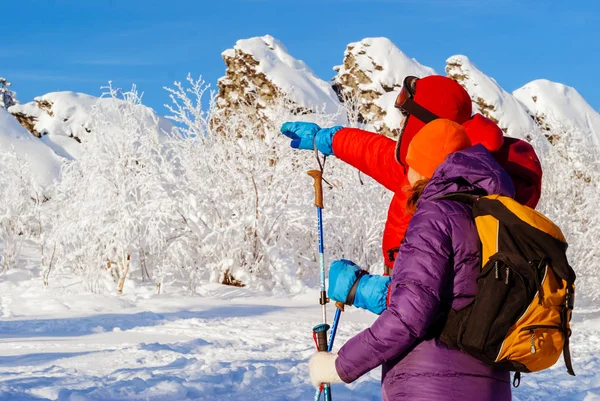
<point x="305" y="135"/>
<point x="370" y="292"/>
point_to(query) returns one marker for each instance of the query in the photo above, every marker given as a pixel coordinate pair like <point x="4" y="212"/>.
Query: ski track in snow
<point x="225" y="343"/>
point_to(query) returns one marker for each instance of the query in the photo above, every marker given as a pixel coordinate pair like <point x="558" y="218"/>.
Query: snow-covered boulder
<point x="490" y="99"/>
<point x="44" y="164"/>
<point x="556" y="106"/>
<point x="260" y="72"/>
<point x="374" y="69"/>
<point x="63" y="119"/>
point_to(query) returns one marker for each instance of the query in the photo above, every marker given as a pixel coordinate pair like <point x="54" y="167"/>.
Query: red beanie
<point x="482" y="130"/>
<point x="441" y="95"/>
<point x="433" y="143"/>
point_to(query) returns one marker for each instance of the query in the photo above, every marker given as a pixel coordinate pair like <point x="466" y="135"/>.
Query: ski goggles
<point x="406" y="104"/>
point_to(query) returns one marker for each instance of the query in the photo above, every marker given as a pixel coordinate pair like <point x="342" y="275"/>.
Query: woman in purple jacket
<point x="436" y="269"/>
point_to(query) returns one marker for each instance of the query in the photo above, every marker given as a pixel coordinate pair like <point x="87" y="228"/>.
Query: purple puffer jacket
<point x="436" y="267"/>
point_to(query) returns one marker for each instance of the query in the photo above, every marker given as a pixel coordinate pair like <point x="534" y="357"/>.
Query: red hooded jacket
<point x="374" y="154"/>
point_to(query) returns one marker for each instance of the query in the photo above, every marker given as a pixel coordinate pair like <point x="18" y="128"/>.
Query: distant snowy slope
<point x="553" y="103"/>
<point x="374" y="69"/>
<point x="260" y="69"/>
<point x="44" y="163"/>
<point x="489" y="98"/>
<point x="63" y="119"/>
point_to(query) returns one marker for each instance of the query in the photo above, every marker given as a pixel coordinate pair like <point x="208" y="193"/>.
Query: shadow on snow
<point x="86" y="325"/>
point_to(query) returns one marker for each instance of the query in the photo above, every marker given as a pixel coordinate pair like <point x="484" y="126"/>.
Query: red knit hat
<point x="442" y="96"/>
<point x="433" y="143"/>
<point x="482" y="130"/>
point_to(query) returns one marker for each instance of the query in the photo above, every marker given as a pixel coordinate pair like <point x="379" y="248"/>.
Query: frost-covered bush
<point x="571" y="198"/>
<point x="112" y="208"/>
<point x="224" y="199"/>
<point x="249" y="201"/>
<point x="7" y="97"/>
<point x="16" y="206"/>
<point x="23" y="213"/>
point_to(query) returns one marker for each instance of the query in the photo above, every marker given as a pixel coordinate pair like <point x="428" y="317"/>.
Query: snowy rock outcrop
<point x="44" y="164"/>
<point x="261" y="73"/>
<point x="373" y="70"/>
<point x="63" y="119"/>
<point x="490" y="99"/>
<point x="556" y="106"/>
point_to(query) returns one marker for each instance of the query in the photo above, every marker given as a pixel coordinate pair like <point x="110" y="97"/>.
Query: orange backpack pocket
<point x="537" y="339"/>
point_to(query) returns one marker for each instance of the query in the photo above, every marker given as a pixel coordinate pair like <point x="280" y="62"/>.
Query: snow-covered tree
<point x="16" y="206"/>
<point x="248" y="201"/>
<point x="226" y="200"/>
<point x="352" y="103"/>
<point x="114" y="213"/>
<point x="571" y="184"/>
<point x="7" y="97"/>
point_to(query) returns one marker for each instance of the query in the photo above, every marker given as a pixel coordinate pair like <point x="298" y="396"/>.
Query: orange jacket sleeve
<point x="373" y="154"/>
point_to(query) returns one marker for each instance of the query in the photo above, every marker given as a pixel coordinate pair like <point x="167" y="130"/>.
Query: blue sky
<point x="79" y="45"/>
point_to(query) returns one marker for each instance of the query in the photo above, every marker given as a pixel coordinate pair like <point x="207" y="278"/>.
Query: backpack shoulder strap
<point x="462" y="197"/>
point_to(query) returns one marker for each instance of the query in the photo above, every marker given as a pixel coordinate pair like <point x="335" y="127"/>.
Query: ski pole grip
<point x="321" y="331"/>
<point x="318" y="184"/>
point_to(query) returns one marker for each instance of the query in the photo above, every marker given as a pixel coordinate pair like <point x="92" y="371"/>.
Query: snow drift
<point x="44" y="164"/>
<point x="62" y="120"/>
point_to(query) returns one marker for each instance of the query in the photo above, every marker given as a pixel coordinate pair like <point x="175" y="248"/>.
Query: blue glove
<point x="304" y="136"/>
<point x="371" y="291"/>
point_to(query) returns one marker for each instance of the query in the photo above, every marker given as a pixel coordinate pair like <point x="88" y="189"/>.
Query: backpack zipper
<point x="523" y="314"/>
<point x="508" y="270"/>
<point x="532" y="328"/>
<point x="541" y="326"/>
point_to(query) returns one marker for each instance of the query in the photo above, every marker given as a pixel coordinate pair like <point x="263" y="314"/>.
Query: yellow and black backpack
<point x="519" y="319"/>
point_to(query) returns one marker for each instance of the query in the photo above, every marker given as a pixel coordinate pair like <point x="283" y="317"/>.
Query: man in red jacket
<point x="421" y="100"/>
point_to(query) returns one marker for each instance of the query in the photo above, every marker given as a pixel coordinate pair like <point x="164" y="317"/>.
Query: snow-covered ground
<point x="59" y="343"/>
<point x="225" y="343"/>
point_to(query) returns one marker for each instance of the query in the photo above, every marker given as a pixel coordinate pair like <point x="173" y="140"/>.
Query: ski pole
<point x="321" y="330"/>
<point x="336" y="320"/>
<point x="334" y="326"/>
<point x="318" y="185"/>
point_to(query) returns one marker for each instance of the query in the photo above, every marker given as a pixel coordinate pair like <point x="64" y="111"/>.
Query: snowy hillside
<point x="489" y="98"/>
<point x="555" y="104"/>
<point x="43" y="162"/>
<point x="374" y="70"/>
<point x="260" y="70"/>
<point x="63" y="119"/>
